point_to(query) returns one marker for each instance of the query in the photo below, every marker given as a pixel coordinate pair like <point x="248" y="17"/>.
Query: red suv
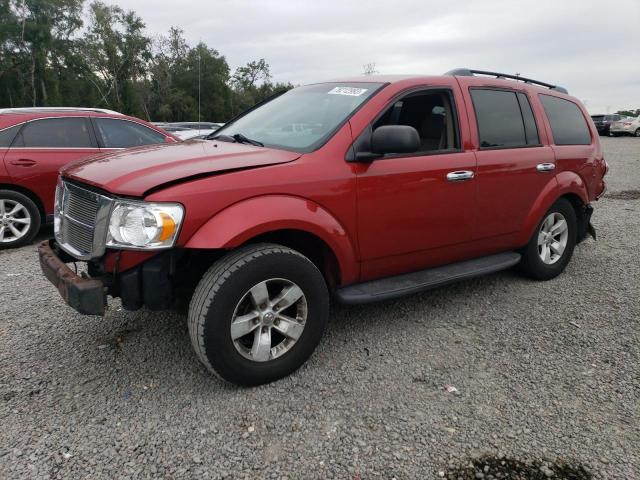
<point x="366" y="189"/>
<point x="36" y="142"/>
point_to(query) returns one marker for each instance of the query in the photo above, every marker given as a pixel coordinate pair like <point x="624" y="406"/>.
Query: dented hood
<point x="135" y="171"/>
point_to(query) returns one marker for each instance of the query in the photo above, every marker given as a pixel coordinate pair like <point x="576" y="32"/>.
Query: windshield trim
<point x="321" y="142"/>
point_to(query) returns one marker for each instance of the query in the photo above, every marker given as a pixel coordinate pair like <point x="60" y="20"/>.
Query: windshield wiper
<point x="240" y="138"/>
<point x="236" y="138"/>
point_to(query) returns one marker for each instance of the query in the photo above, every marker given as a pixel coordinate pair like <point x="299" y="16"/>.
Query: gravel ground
<point x="546" y="374"/>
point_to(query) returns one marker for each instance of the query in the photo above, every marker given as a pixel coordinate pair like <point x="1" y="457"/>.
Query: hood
<point x="135" y="171"/>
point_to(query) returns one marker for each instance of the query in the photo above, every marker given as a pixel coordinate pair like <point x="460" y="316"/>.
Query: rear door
<point x="513" y="164"/>
<point x="42" y="147"/>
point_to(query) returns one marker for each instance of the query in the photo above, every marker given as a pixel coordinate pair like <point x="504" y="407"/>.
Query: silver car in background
<point x="626" y="126"/>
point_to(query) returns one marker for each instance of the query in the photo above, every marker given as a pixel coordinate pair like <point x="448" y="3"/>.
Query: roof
<point x="459" y="72"/>
<point x="57" y="109"/>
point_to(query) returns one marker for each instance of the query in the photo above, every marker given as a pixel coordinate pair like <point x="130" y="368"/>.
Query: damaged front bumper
<point x="86" y="295"/>
<point x="149" y="283"/>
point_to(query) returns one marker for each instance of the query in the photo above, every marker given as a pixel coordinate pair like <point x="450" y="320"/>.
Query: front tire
<point x="19" y="219"/>
<point x="551" y="245"/>
<point x="637" y="133"/>
<point x="258" y="314"/>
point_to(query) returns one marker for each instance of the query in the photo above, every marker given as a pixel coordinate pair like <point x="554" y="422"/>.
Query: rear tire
<point x="19" y="219"/>
<point x="551" y="245"/>
<point x="258" y="314"/>
<point x="637" y="133"/>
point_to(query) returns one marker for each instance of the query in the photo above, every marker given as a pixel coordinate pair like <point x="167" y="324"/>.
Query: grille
<point x="81" y="220"/>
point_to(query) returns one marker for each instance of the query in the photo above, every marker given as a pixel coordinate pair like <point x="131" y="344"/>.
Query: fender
<point x="244" y="220"/>
<point x="562" y="184"/>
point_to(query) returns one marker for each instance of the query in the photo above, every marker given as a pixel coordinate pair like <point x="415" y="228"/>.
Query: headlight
<point x="144" y="226"/>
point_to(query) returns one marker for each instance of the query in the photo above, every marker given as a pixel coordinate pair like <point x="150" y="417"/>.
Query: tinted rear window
<point x="500" y="122"/>
<point x="55" y="133"/>
<point x="567" y="122"/>
<point x="7" y="135"/>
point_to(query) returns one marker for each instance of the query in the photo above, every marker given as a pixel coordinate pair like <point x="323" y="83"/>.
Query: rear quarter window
<point x="568" y="125"/>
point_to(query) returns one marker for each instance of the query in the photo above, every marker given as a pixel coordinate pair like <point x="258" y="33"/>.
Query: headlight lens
<point x="144" y="226"/>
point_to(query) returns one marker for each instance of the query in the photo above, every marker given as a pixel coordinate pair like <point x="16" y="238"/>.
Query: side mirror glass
<point x="395" y="139"/>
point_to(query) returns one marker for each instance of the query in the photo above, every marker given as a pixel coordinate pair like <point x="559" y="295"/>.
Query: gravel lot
<point x="545" y="372"/>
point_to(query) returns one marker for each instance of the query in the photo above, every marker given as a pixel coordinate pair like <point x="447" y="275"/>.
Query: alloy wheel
<point x="15" y="220"/>
<point x="552" y="238"/>
<point x="269" y="320"/>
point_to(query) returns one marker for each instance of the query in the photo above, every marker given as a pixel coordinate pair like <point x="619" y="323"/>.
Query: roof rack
<point x="466" y="72"/>
<point x="57" y="109"/>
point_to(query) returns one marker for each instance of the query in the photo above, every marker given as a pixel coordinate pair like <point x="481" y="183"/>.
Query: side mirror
<point x="395" y="139"/>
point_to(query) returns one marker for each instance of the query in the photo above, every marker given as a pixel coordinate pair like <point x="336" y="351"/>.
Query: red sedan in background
<point x="36" y="142"/>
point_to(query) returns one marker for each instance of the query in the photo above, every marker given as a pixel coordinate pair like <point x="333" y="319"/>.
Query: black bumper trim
<point x="85" y="295"/>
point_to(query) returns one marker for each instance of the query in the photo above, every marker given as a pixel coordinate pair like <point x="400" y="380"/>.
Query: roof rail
<point x="57" y="109"/>
<point x="466" y="72"/>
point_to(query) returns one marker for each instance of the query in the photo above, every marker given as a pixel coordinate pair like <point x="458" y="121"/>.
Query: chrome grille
<point x="81" y="217"/>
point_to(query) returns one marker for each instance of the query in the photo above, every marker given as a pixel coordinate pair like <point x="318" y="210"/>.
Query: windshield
<point x="303" y="118"/>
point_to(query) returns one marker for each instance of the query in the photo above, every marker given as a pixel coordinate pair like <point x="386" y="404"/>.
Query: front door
<point x="414" y="209"/>
<point x="44" y="146"/>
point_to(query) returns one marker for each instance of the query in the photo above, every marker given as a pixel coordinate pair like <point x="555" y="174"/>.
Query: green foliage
<point x="49" y="57"/>
<point x="629" y="113"/>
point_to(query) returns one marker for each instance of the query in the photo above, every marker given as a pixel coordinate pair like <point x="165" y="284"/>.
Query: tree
<point x="630" y="112"/>
<point x="36" y="38"/>
<point x="117" y="52"/>
<point x="369" y="69"/>
<point x="252" y="84"/>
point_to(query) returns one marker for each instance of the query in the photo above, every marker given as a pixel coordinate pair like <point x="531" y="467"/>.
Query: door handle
<point x="23" y="162"/>
<point x="459" y="175"/>
<point x="545" y="167"/>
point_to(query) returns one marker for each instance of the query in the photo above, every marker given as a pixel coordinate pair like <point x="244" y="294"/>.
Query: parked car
<point x="188" y="130"/>
<point x="187" y="133"/>
<point x="626" y="126"/>
<point x="36" y="142"/>
<point x="365" y="189"/>
<point x="603" y="122"/>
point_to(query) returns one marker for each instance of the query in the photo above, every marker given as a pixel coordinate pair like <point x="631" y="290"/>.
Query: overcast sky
<point x="590" y="47"/>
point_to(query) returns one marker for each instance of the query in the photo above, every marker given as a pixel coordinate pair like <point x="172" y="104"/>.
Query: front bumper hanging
<point x="86" y="295"/>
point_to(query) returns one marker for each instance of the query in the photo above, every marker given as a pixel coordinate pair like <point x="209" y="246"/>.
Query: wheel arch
<point x="295" y="222"/>
<point x="28" y="193"/>
<point x="567" y="185"/>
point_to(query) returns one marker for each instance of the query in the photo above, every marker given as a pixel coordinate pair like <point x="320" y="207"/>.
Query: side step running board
<point x="407" y="283"/>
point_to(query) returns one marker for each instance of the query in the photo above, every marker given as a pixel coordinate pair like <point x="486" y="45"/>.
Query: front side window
<point x="431" y="114"/>
<point x="116" y="133"/>
<point x="504" y="119"/>
<point x="567" y="122"/>
<point x="55" y="133"/>
<point x="303" y="118"/>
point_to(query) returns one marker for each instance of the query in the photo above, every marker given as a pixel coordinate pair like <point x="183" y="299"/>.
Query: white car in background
<point x="626" y="126"/>
<point x="187" y="130"/>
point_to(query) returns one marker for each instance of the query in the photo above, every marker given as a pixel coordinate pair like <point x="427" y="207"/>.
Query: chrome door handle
<point x="545" y="167"/>
<point x="459" y="175"/>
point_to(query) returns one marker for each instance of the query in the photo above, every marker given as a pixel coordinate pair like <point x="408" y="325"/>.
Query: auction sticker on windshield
<point x="351" y="91"/>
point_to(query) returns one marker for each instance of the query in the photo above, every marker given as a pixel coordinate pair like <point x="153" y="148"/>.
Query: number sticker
<point x="351" y="91"/>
